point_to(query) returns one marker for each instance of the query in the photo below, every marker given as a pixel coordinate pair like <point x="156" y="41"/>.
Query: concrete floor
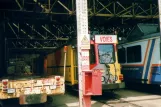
<point x="119" y="98"/>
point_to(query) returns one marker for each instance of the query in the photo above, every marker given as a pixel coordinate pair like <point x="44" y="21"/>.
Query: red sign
<point x="105" y="39"/>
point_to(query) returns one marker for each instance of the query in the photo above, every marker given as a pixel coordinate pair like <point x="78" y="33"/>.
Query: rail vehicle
<point x="29" y="82"/>
<point x="103" y="58"/>
<point x="140" y="55"/>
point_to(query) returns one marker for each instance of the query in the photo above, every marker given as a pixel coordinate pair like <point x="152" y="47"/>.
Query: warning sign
<point x="85" y="42"/>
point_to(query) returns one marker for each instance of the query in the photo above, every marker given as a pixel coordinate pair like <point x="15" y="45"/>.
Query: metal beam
<point x="94" y="14"/>
<point x="12" y="30"/>
<point x="68" y="29"/>
<point x="96" y="9"/>
<point x="42" y="6"/>
<point x="37" y="39"/>
<point x="49" y="4"/>
<point x="53" y="5"/>
<point x="124" y="9"/>
<point x="33" y="29"/>
<point x="49" y="31"/>
<point x="43" y="48"/>
<point x="34" y="44"/>
<point x="14" y="44"/>
<point x="102" y="6"/>
<point x="145" y="11"/>
<point x="134" y="14"/>
<point x="65" y="7"/>
<point x="128" y="16"/>
<point x="22" y="31"/>
<point x="73" y="6"/>
<point x="19" y="4"/>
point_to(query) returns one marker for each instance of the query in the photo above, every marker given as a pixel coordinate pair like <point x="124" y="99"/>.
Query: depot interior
<point x="30" y="30"/>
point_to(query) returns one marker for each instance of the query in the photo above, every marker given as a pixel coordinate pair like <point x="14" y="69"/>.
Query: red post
<point x="86" y="101"/>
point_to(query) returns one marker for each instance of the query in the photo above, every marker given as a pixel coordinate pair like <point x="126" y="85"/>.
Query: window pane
<point x="122" y="55"/>
<point x="106" y="53"/>
<point x="134" y="54"/>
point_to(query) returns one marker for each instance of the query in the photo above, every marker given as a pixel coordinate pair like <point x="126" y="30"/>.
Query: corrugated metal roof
<point x="142" y="30"/>
<point x="148" y="28"/>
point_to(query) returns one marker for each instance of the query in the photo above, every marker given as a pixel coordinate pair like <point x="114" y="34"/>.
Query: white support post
<point x="159" y="7"/>
<point x="83" y="46"/>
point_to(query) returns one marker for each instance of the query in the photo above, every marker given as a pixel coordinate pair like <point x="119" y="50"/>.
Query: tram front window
<point x="106" y="54"/>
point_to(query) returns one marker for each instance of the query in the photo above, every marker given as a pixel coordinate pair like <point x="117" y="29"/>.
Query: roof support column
<point x="159" y="6"/>
<point x="83" y="50"/>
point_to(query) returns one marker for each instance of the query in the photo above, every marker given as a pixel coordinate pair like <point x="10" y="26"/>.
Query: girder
<point x="102" y="8"/>
<point x="49" y="23"/>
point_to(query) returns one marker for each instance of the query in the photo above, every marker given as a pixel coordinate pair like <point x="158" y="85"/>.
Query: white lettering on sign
<point x="105" y="39"/>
